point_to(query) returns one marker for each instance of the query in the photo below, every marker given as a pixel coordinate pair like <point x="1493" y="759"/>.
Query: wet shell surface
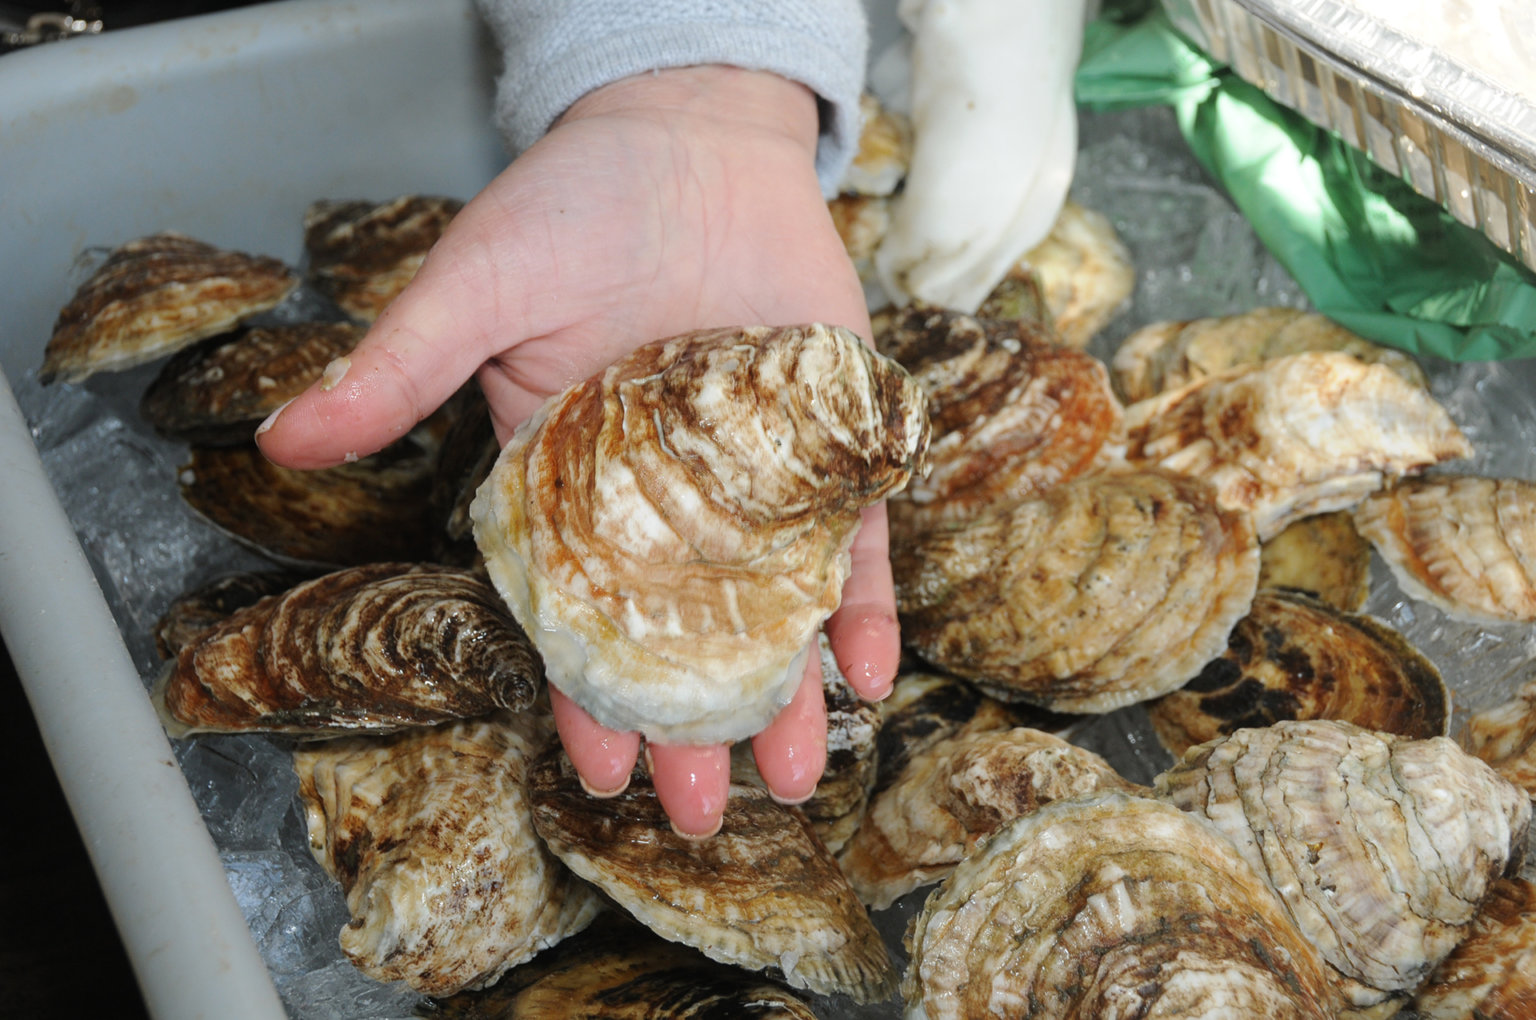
<point x="206" y="606"/>
<point x="1383" y="848"/>
<point x="362" y="254"/>
<point x="1504" y="736"/>
<point x="1464" y="544"/>
<point x="219" y="394"/>
<point x="1102" y="591"/>
<point x="429" y="834"/>
<point x="1107" y="906"/>
<point x="761" y="893"/>
<point x="955" y="794"/>
<point x="673" y="531"/>
<point x="1167" y="355"/>
<point x="1294" y="436"/>
<point x="154" y="296"/>
<point x="1012" y="413"/>
<point x="1492" y="974"/>
<point x="1324" y="555"/>
<point x="368" y="648"/>
<point x="1295" y="657"/>
<point x="618" y="970"/>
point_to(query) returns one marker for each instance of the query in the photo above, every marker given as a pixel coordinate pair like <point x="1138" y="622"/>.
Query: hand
<point x="659" y="204"/>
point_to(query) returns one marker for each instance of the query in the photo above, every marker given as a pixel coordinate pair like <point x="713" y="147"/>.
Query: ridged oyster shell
<point x="1167" y="355"/>
<point x="885" y="149"/>
<point x="761" y="893"/>
<point x="1108" y="906"/>
<point x="155" y="295"/>
<point x="1504" y="736"/>
<point x="1100" y="592"/>
<point x="1012" y="413"/>
<point x="1382" y="848"/>
<point x="430" y="836"/>
<point x="362" y="254"/>
<point x="1464" y="544"/>
<point x="1293" y="436"/>
<point x="1295" y="657"/>
<point x="379" y="647"/>
<point x="673" y="531"/>
<point x="1322" y="554"/>
<point x="1491" y="975"/>
<point x="196" y="611"/>
<point x="955" y="794"/>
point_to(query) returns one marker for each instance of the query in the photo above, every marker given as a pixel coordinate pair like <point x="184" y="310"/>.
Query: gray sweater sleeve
<point x="555" y="51"/>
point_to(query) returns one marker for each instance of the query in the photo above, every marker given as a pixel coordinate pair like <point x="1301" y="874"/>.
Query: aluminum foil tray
<point x="1400" y="84"/>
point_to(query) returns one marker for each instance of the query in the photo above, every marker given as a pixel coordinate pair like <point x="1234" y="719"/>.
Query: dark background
<point x="60" y="955"/>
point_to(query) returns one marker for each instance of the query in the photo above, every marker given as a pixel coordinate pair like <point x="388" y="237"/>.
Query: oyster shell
<point x="761" y="893"/>
<point x="1106" y="906"/>
<point x="153" y="296"/>
<point x="378" y="647"/>
<point x="861" y="221"/>
<point x="1100" y="592"/>
<point x="1381" y="847"/>
<point x="1167" y="355"/>
<point x="429" y="834"/>
<point x="1323" y="554"/>
<point x="885" y="149"/>
<point x="1296" y="657"/>
<point x="1491" y="975"/>
<point x="1466" y="545"/>
<point x="202" y="608"/>
<point x="955" y="794"/>
<point x="1504" y="736"/>
<point x="1294" y="436"/>
<point x="219" y="394"/>
<point x="673" y="531"/>
<point x="362" y="254"/>
<point x="618" y="970"/>
<point x="1012" y="413"/>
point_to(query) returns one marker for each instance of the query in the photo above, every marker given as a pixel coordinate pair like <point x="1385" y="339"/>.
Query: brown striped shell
<point x="362" y="254"/>
<point x="195" y="611"/>
<point x="1491" y="975"/>
<point x="378" y="647"/>
<point x="154" y="296"/>
<point x="1504" y="736"/>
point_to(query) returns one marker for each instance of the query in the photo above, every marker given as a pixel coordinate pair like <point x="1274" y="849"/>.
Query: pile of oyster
<point x="1187" y="527"/>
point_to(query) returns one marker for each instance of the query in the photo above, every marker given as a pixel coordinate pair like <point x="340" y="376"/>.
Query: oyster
<point x="378" y="647"/>
<point x="1107" y="906"/>
<point x="761" y="893"/>
<point x="200" y="609"/>
<point x="469" y="450"/>
<point x="955" y="794"/>
<point x="1295" y="657"/>
<point x="1294" y="436"/>
<point x="1102" y="591"/>
<point x="618" y="970"/>
<point x="1012" y="413"/>
<point x="673" y="531"/>
<point x="861" y="221"/>
<point x="1167" y="355"/>
<point x="1323" y="554"/>
<point x="362" y="254"/>
<point x="429" y="834"/>
<point x="219" y="394"/>
<point x="1381" y="847"/>
<point x="1467" y="545"/>
<point x="885" y="149"/>
<point x="1504" y="736"/>
<point x="153" y="296"/>
<point x="1491" y="975"/>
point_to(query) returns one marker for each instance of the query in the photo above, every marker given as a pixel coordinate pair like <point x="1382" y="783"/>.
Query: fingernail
<point x="334" y="372"/>
<point x="271" y="419"/>
<point x="698" y="836"/>
<point x="792" y="801"/>
<point x="603" y="794"/>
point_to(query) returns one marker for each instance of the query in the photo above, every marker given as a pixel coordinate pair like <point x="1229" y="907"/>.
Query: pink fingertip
<point x="693" y="785"/>
<point x="603" y="758"/>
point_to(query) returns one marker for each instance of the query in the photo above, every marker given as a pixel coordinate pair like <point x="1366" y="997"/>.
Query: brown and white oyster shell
<point x="1296" y="657"/>
<point x="1012" y="413"/>
<point x="885" y="149"/>
<point x="196" y="611"/>
<point x="1293" y="436"/>
<point x="379" y="647"/>
<point x="1107" y="906"/>
<point x="673" y="531"/>
<point x="1100" y="592"/>
<point x="154" y="296"/>
<point x="1491" y="975"/>
<point x="761" y="893"/>
<point x="1324" y="555"/>
<point x="430" y="836"/>
<point x="1464" y="544"/>
<point x="1167" y="355"/>
<point x="955" y="794"/>
<point x="1504" y="736"/>
<point x="362" y="254"/>
<point x="1382" y="848"/>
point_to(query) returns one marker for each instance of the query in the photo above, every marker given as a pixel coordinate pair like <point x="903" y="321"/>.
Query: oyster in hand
<point x="672" y="532"/>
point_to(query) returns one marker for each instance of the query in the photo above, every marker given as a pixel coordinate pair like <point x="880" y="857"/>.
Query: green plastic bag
<point x="1368" y="250"/>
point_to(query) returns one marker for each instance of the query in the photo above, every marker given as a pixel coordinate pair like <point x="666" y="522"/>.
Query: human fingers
<point x="791" y="753"/>
<point x="603" y="758"/>
<point x="692" y="782"/>
<point x="865" y="637"/>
